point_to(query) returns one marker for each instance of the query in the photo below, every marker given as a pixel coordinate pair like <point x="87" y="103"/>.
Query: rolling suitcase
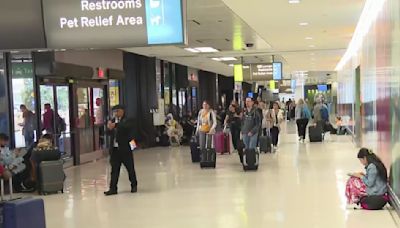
<point x="195" y="150"/>
<point x="265" y="144"/>
<point x="250" y="159"/>
<point x="51" y="179"/>
<point x="208" y="155"/>
<point x="315" y="133"/>
<point x="21" y="213"/>
<point x="222" y="143"/>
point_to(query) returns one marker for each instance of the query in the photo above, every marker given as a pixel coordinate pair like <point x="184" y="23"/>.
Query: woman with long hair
<point x="302" y="117"/>
<point x="370" y="188"/>
<point x="206" y="124"/>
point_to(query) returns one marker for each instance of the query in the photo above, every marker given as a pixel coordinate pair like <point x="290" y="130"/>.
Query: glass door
<point x="55" y="117"/>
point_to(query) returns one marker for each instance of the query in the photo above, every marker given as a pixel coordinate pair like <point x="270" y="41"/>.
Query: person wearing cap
<point x="120" y="129"/>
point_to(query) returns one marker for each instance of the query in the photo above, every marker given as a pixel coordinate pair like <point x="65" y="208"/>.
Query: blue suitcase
<point x="21" y="213"/>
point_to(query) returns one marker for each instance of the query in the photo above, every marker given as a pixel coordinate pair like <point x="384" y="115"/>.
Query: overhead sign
<point x="264" y="72"/>
<point x="21" y="25"/>
<point x="113" y="23"/>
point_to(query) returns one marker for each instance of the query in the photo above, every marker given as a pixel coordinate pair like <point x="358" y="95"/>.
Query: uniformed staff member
<point x="120" y="128"/>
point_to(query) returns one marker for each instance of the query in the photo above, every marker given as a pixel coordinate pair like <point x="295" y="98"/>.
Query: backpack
<point x="61" y="125"/>
<point x="305" y="113"/>
<point x="324" y="113"/>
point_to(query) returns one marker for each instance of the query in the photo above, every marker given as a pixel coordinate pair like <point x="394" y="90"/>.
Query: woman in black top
<point x="233" y="120"/>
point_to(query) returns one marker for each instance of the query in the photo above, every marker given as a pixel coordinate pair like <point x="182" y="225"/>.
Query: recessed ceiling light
<point x="231" y="65"/>
<point x="312" y="54"/>
<point x="217" y="59"/>
<point x="311" y="46"/>
<point x="192" y="50"/>
<point x="294" y="1"/>
<point x="309" y="38"/>
<point x="303" y="23"/>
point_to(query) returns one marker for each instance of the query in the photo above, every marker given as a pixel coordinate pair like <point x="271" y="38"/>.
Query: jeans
<point x="250" y="142"/>
<point x="275" y="135"/>
<point x="29" y="138"/>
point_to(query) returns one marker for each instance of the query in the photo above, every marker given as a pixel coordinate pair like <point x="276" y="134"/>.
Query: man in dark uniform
<point x="120" y="128"/>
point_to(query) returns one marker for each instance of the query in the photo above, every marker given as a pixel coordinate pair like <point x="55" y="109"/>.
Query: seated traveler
<point x="368" y="189"/>
<point x="44" y="151"/>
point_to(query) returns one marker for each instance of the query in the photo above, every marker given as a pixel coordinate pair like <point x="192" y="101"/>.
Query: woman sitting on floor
<point x="370" y="189"/>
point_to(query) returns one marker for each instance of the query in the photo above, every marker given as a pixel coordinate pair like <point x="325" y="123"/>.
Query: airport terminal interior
<point x="200" y="113"/>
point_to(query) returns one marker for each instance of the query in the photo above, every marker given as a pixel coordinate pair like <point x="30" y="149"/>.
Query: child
<point x="369" y="189"/>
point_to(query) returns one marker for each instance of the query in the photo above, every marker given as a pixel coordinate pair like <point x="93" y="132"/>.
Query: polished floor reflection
<point x="300" y="186"/>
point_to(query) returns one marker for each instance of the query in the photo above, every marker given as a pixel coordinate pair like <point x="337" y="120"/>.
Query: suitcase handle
<point x="212" y="141"/>
<point x="2" y="188"/>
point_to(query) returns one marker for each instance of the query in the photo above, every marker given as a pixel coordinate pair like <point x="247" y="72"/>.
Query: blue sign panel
<point x="164" y="22"/>
<point x="277" y="71"/>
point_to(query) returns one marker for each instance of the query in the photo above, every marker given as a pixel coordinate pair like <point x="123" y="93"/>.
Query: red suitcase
<point x="222" y="143"/>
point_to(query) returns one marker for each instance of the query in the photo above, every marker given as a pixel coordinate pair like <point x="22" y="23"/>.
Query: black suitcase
<point x="208" y="155"/>
<point x="195" y="150"/>
<point x="265" y="144"/>
<point x="251" y="159"/>
<point x="315" y="133"/>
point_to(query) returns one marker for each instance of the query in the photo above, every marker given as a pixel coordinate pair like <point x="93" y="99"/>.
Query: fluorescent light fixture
<point x="311" y="46"/>
<point x="294" y="1"/>
<point x="231" y="65"/>
<point x="206" y="49"/>
<point x="228" y="59"/>
<point x="368" y="16"/>
<point x="224" y="59"/>
<point x="192" y="50"/>
<point x="303" y="23"/>
<point x="309" y="38"/>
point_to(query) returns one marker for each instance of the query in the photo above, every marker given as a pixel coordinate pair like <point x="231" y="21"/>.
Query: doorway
<point x="56" y="117"/>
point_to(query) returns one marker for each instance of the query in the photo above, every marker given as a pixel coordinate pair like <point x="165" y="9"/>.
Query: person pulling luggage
<point x="206" y="124"/>
<point x="251" y="124"/>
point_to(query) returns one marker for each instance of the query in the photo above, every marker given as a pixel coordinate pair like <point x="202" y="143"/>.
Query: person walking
<point x="251" y="124"/>
<point x="276" y="117"/>
<point x="206" y="124"/>
<point x="28" y="125"/>
<point x="233" y="120"/>
<point x="120" y="128"/>
<point x="302" y="117"/>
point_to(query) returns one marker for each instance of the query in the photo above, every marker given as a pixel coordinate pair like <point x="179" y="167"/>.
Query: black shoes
<point x="110" y="193"/>
<point x="134" y="189"/>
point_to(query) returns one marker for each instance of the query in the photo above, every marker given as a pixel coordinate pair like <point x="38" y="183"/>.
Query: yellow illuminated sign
<point x="238" y="73"/>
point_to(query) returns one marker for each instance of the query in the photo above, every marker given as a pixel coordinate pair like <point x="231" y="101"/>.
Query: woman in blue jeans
<point x="251" y="124"/>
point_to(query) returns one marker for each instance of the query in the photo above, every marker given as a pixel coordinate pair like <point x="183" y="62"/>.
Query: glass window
<point x="23" y="94"/>
<point x="4" y="118"/>
<point x="98" y="107"/>
<point x="83" y="108"/>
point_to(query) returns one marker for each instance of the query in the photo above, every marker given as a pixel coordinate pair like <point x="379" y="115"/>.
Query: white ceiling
<point x="272" y="26"/>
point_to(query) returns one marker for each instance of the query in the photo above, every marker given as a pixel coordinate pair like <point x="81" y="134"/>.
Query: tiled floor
<point x="300" y="186"/>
